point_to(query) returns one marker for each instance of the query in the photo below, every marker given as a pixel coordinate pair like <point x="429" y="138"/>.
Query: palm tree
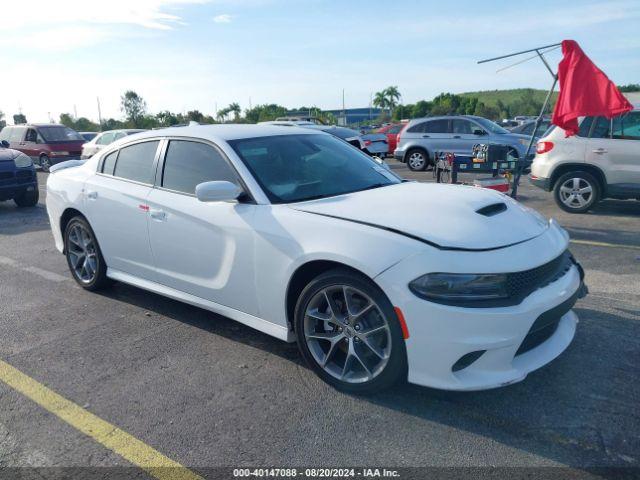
<point x="393" y="95"/>
<point x="380" y="100"/>
<point x="235" y="108"/>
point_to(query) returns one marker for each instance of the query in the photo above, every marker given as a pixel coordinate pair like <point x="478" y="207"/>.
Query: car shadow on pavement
<point x="580" y="410"/>
<point x="16" y="221"/>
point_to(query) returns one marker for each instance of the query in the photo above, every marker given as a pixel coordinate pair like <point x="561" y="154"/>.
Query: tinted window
<point x="293" y="168"/>
<point x="342" y="132"/>
<point x="419" y="128"/>
<point x="31" y="136"/>
<point x="109" y="163"/>
<point x="602" y="128"/>
<point x="437" y="126"/>
<point x="627" y="127"/>
<point x="60" y="134"/>
<point x="585" y="127"/>
<point x="462" y="127"/>
<point x="136" y="162"/>
<point x="189" y="163"/>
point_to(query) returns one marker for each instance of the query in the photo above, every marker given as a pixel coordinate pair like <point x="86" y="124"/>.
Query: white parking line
<point x="46" y="274"/>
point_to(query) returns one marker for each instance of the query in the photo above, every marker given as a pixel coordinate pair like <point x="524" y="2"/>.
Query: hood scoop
<point x="493" y="209"/>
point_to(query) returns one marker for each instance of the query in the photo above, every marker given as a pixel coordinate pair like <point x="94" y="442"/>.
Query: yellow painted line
<point x="605" y="244"/>
<point x="108" y="435"/>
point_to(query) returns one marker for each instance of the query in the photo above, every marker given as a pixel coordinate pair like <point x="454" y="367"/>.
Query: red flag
<point x="584" y="90"/>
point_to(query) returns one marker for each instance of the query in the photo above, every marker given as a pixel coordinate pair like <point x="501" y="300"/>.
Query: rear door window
<point x="109" y="163"/>
<point x="437" y="126"/>
<point x="189" y="163"/>
<point x="136" y="162"/>
<point x="626" y="127"/>
<point x="463" y="127"/>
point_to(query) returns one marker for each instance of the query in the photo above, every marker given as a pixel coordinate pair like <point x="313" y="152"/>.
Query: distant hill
<point x="491" y="97"/>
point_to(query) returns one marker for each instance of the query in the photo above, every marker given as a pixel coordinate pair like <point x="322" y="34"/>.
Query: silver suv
<point x="421" y="137"/>
<point x="601" y="161"/>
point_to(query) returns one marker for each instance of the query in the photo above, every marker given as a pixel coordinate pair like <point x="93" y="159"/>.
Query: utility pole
<point x="370" y="105"/>
<point x="75" y="112"/>
<point x="99" y="115"/>
<point x="249" y="103"/>
<point x="344" y="113"/>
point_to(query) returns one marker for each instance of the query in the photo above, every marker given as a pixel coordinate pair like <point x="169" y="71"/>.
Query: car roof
<point x="224" y="132"/>
<point x="441" y="117"/>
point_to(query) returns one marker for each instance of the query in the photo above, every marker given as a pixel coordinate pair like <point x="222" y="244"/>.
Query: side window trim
<point x="163" y="155"/>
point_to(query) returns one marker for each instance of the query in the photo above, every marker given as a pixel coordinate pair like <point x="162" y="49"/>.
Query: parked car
<point x="293" y="232"/>
<point x="391" y="131"/>
<point x="527" y="128"/>
<point x="601" y="161"/>
<point x="374" y="144"/>
<point x="420" y="138"/>
<point x="88" y="136"/>
<point x="18" y="180"/>
<point x="105" y="138"/>
<point x="46" y="143"/>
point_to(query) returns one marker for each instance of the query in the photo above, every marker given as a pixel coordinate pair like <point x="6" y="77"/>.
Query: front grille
<point x="6" y="175"/>
<point x="521" y="284"/>
<point x="24" y="176"/>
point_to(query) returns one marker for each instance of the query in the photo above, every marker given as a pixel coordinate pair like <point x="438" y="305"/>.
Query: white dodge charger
<point x="300" y="235"/>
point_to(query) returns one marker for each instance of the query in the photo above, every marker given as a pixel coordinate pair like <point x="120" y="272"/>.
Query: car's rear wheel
<point x="28" y="199"/>
<point x="349" y="334"/>
<point x="45" y="163"/>
<point x="84" y="256"/>
<point x="417" y="160"/>
<point x="576" y="192"/>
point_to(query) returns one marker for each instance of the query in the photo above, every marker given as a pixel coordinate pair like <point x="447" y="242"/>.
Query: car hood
<point x="451" y="217"/>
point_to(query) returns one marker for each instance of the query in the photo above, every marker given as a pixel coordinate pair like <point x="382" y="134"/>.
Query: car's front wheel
<point x="84" y="256"/>
<point x="576" y="192"/>
<point x="348" y="332"/>
<point x="417" y="160"/>
<point x="28" y="199"/>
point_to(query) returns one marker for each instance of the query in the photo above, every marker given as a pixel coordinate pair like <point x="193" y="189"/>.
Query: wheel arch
<point x="66" y="217"/>
<point x="579" y="167"/>
<point x="411" y="148"/>
<point x="304" y="274"/>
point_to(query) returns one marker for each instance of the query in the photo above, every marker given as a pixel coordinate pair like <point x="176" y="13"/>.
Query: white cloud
<point x="224" y="18"/>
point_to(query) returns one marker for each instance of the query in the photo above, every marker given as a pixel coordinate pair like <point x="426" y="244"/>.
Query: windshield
<point x="60" y="134"/>
<point x="491" y="126"/>
<point x="295" y="168"/>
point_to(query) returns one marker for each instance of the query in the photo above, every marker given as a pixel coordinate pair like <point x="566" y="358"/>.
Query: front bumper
<point x="16" y="181"/>
<point x="440" y="336"/>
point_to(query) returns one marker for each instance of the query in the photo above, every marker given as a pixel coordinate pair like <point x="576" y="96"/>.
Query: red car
<point x="46" y="143"/>
<point x="392" y="131"/>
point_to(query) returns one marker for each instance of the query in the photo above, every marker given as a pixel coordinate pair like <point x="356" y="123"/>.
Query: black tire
<point x="413" y="161"/>
<point x="45" y="162"/>
<point x="570" y="192"/>
<point x="28" y="199"/>
<point x="99" y="280"/>
<point x="388" y="374"/>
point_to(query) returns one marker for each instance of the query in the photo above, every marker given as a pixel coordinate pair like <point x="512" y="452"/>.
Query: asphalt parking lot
<point x="206" y="391"/>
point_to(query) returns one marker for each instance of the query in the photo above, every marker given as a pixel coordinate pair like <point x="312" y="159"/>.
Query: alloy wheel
<point x="416" y="160"/>
<point x="576" y="192"/>
<point x="81" y="250"/>
<point x="347" y="334"/>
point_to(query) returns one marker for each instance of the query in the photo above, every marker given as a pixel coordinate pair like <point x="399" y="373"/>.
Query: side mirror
<point x="219" y="191"/>
<point x="5" y="144"/>
<point x="478" y="131"/>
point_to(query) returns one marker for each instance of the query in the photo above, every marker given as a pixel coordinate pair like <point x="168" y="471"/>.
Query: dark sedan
<point x="18" y="181"/>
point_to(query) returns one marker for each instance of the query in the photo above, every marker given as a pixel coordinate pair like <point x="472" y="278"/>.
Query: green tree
<point x="236" y="110"/>
<point x="134" y="108"/>
<point x="632" y="87"/>
<point x="19" y="118"/>
<point x="421" y="109"/>
<point x="165" y="118"/>
<point x="380" y="100"/>
<point x="393" y="97"/>
<point x="195" y="116"/>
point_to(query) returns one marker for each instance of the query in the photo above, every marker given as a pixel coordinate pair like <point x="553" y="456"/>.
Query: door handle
<point x="92" y="195"/>
<point x="425" y="136"/>
<point x="159" y="215"/>
<point x="600" y="151"/>
<point x="456" y="136"/>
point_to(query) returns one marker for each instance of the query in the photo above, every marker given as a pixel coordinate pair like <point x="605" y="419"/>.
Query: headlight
<point x="460" y="287"/>
<point x="23" y="161"/>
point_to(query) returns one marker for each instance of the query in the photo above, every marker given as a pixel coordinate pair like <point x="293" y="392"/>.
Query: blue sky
<point x="196" y="54"/>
